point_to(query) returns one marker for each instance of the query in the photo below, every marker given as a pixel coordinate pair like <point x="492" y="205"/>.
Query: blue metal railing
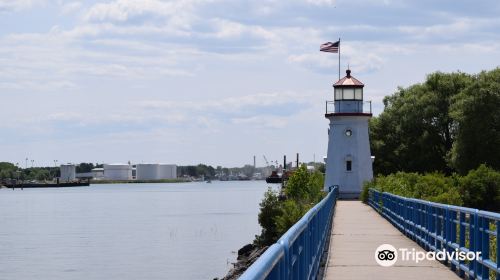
<point x="436" y="226"/>
<point x="297" y="254"/>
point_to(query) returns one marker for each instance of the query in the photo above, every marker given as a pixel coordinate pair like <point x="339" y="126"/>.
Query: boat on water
<point x="47" y="185"/>
<point x="274" y="178"/>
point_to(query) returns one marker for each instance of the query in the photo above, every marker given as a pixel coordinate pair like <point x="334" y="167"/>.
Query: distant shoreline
<point x="92" y="182"/>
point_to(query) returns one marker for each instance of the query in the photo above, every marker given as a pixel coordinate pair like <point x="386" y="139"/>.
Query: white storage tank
<point x="68" y="172"/>
<point x="98" y="173"/>
<point x="147" y="171"/>
<point x="167" y="171"/>
<point x="117" y="171"/>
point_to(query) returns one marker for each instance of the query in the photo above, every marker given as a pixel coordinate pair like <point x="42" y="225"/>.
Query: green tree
<point x="477" y="111"/>
<point x="416" y="130"/>
<point x="7" y="170"/>
<point x="7" y="166"/>
<point x="303" y="190"/>
<point x="42" y="174"/>
<point x="291" y="212"/>
<point x="481" y="189"/>
<point x="84" y="167"/>
<point x="248" y="170"/>
<point x="269" y="210"/>
<point x="304" y="186"/>
<point x="434" y="187"/>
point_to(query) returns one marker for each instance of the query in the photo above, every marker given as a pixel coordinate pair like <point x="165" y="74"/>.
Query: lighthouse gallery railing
<point x="436" y="226"/>
<point x="297" y="254"/>
<point x="364" y="107"/>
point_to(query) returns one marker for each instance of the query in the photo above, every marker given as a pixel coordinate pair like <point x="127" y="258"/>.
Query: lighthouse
<point x="349" y="161"/>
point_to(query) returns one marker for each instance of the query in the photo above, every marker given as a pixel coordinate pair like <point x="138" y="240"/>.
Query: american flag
<point x="330" y="47"/>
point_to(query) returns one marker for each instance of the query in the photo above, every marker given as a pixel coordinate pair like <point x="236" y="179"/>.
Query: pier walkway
<point x="357" y="232"/>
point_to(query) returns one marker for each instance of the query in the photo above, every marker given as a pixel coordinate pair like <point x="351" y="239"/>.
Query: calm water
<point x="129" y="231"/>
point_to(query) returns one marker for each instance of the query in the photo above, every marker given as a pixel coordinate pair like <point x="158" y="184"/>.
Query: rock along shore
<point x="247" y="255"/>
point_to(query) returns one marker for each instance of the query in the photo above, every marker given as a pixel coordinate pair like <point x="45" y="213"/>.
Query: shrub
<point x="303" y="190"/>
<point x="291" y="212"/>
<point x="432" y="186"/>
<point x="269" y="210"/>
<point x="480" y="188"/>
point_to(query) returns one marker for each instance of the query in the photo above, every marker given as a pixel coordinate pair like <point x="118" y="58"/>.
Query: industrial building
<point x="147" y="171"/>
<point x="68" y="172"/>
<point x="117" y="171"/>
<point x="122" y="171"/>
<point x="168" y="171"/>
<point x="155" y="171"/>
<point x="98" y="173"/>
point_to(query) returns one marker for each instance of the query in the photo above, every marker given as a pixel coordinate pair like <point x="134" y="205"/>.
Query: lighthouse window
<point x="349" y="93"/>
<point x="348" y="165"/>
<point x="338" y="94"/>
<point x="358" y="94"/>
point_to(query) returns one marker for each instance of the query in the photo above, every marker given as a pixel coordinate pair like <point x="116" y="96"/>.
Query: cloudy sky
<point x="213" y="81"/>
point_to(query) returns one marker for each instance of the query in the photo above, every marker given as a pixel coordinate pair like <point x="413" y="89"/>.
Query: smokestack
<point x="284" y="163"/>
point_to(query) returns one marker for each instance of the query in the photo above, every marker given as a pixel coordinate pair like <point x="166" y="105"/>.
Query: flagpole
<point x="339" y="58"/>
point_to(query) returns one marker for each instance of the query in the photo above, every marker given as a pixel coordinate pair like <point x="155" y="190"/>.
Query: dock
<point x="357" y="232"/>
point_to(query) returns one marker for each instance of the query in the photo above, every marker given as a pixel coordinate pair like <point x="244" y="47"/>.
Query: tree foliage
<point x="480" y="188"/>
<point x="303" y="190"/>
<point x="269" y="210"/>
<point x="451" y="122"/>
<point x="304" y="186"/>
<point x="477" y="112"/>
<point x="84" y="167"/>
<point x="415" y="131"/>
<point x="196" y="170"/>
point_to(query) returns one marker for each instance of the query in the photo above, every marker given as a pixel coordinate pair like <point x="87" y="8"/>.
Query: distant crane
<point x="265" y="159"/>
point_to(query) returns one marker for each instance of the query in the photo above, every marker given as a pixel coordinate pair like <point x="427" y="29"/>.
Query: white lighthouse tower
<point x="349" y="161"/>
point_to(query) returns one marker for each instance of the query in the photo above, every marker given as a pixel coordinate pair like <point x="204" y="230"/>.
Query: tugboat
<point x="274" y="178"/>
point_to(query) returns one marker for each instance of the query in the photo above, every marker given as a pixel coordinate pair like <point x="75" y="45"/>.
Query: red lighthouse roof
<point x="348" y="80"/>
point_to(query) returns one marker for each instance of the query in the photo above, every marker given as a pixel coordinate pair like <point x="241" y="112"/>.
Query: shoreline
<point x="97" y="182"/>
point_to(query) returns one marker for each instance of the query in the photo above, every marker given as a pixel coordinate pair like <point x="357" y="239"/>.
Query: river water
<point x="127" y="231"/>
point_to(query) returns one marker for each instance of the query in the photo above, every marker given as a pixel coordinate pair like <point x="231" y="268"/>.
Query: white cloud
<point x="458" y="27"/>
<point x="231" y="104"/>
<point x="322" y="2"/>
<point x="178" y="13"/>
<point x="262" y="121"/>
<point x="363" y="59"/>
<point x="56" y="59"/>
<point x="122" y="10"/>
<point x="70" y="7"/>
<point x="8" y="5"/>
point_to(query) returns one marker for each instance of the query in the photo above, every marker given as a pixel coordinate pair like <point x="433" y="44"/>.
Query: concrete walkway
<point x="357" y="231"/>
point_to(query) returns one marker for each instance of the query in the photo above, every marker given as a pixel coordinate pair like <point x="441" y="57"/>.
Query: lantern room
<point x="348" y="94"/>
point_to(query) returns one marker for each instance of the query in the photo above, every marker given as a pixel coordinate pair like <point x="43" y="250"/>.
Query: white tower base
<point x="349" y="162"/>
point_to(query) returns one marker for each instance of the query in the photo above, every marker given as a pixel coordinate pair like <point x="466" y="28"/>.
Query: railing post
<point x="461" y="241"/>
<point x="472" y="268"/>
<point x="478" y="242"/>
<point x="428" y="226"/>
<point x="453" y="234"/>
<point x="485" y="245"/>
<point x="446" y="230"/>
<point x="498" y="248"/>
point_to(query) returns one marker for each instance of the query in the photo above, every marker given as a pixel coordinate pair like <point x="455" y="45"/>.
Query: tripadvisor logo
<point x="387" y="255"/>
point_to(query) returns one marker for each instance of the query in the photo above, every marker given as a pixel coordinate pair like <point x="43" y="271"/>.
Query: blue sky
<point x="213" y="81"/>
